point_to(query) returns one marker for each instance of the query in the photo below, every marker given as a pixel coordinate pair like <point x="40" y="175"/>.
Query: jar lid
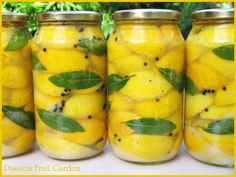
<point x="227" y="13"/>
<point x="139" y="14"/>
<point x="69" y="16"/>
<point x="14" y="17"/>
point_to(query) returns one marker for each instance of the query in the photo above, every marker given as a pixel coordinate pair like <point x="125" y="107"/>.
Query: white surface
<point x="107" y="163"/>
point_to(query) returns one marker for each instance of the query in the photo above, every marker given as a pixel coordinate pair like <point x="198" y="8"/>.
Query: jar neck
<point x="158" y="21"/>
<point x="14" y="24"/>
<point x="213" y="21"/>
<point x="68" y="23"/>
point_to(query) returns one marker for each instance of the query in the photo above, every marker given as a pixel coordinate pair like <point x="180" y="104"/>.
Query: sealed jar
<point x="18" y="133"/>
<point x="210" y="92"/>
<point x="145" y="84"/>
<point x="69" y="69"/>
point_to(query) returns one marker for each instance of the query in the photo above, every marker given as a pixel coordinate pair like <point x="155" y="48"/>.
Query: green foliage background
<point x="107" y="8"/>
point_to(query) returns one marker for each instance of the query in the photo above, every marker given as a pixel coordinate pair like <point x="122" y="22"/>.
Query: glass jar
<point x="210" y="97"/>
<point x="69" y="56"/>
<point x="145" y="84"/>
<point x="18" y="133"/>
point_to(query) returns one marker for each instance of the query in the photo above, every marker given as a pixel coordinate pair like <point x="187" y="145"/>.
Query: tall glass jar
<point x="145" y="84"/>
<point x="210" y="92"/>
<point x="69" y="69"/>
<point x="18" y="133"/>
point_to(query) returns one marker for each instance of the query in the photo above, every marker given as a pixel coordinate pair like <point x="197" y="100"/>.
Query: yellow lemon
<point x="174" y="59"/>
<point x="15" y="77"/>
<point x="197" y="103"/>
<point x="172" y="35"/>
<point x="62" y="149"/>
<point x="63" y="60"/>
<point x="204" y="77"/>
<point x="25" y="141"/>
<point x="10" y="130"/>
<point x="120" y="102"/>
<point x="131" y="63"/>
<point x="57" y="36"/>
<point x="160" y="107"/>
<point x="83" y="105"/>
<point x="146" y="85"/>
<point x="218" y="112"/>
<point x="147" y="147"/>
<point x="142" y="39"/>
<point x="116" y="48"/>
<point x="93" y="131"/>
<point x="21" y="97"/>
<point x="214" y="36"/>
<point x="195" y="142"/>
<point x="116" y="122"/>
<point x="223" y="142"/>
<point x="194" y="49"/>
<point x="225" y="97"/>
<point x="224" y="67"/>
<point x="45" y="86"/>
<point x="46" y="102"/>
<point x="99" y="63"/>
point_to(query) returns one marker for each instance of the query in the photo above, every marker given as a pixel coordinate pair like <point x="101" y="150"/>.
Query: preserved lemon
<point x="69" y="85"/>
<point x="18" y="135"/>
<point x="210" y="92"/>
<point x="145" y="84"/>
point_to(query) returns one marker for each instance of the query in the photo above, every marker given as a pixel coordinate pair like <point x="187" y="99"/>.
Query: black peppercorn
<point x="158" y="99"/>
<point x="104" y="106"/>
<point x="204" y="92"/>
<point x="224" y="88"/>
<point x="81" y="29"/>
<point x="44" y="49"/>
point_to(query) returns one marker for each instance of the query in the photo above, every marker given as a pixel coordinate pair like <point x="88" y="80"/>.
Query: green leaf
<point x="190" y="86"/>
<point x="116" y="82"/>
<point x="151" y="126"/>
<point x="174" y="78"/>
<point x="225" y="52"/>
<point x="18" y="40"/>
<point x="95" y="46"/>
<point x="37" y="65"/>
<point x="76" y="79"/>
<point x="59" y="122"/>
<point x="20" y="117"/>
<point x="221" y="127"/>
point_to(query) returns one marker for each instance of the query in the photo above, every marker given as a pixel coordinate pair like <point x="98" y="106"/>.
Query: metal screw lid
<point x="146" y="14"/>
<point x="14" y="17"/>
<point x="69" y="16"/>
<point x="227" y="13"/>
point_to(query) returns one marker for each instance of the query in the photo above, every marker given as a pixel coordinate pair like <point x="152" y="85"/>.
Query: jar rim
<point x="53" y="16"/>
<point x="146" y="14"/>
<point x="14" y="17"/>
<point x="217" y="13"/>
